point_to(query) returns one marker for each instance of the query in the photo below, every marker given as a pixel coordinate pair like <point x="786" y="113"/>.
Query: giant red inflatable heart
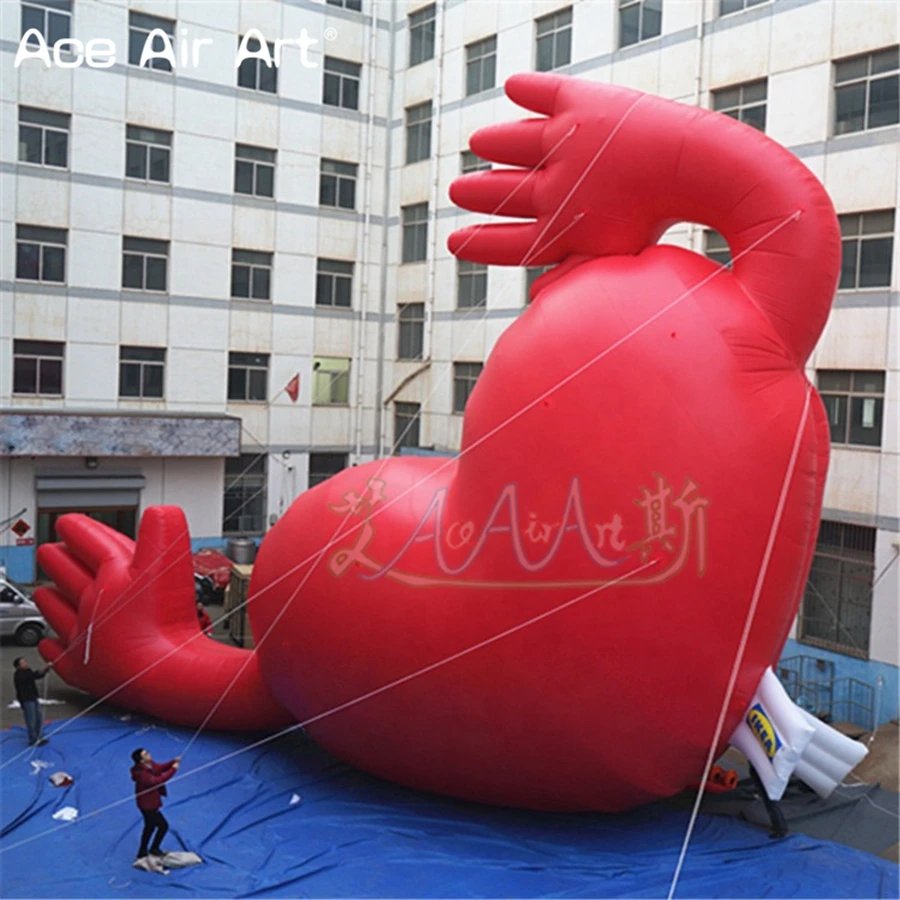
<point x="551" y="620"/>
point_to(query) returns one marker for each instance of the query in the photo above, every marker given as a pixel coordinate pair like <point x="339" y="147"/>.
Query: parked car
<point x="19" y="617"/>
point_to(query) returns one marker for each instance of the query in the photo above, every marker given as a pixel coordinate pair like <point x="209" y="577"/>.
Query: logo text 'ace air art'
<point x="764" y="730"/>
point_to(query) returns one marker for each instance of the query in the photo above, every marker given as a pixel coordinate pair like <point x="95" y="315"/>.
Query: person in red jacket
<point x="149" y="789"/>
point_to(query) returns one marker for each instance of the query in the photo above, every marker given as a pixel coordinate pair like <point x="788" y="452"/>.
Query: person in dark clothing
<point x="25" y="680"/>
<point x="149" y="789"/>
<point x="206" y="623"/>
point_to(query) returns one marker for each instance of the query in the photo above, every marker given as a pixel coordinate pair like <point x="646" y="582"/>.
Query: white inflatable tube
<point x="780" y="739"/>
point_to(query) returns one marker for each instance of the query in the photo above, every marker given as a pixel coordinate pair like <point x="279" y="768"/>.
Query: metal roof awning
<point x="73" y="433"/>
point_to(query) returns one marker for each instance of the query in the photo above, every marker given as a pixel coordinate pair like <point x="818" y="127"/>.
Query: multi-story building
<point x="180" y="239"/>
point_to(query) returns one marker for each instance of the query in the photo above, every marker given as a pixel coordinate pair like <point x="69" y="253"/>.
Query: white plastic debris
<point x="61" y="779"/>
<point x="66" y="814"/>
<point x="295" y="799"/>
<point x="37" y="765"/>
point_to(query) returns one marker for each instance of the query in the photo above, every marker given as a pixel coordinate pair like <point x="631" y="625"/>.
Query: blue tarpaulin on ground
<point x="287" y="820"/>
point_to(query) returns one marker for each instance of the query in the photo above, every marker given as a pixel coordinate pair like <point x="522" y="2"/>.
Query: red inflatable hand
<point x="125" y="615"/>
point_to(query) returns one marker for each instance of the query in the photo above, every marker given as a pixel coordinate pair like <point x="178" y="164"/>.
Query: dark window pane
<point x="651" y="24"/>
<point x="629" y="21"/>
<point x="59" y="27"/>
<point x="256" y="384"/>
<point x="243" y="177"/>
<point x="347" y="193"/>
<point x="50" y="377"/>
<point x="836" y="410"/>
<point x="884" y="101"/>
<point x="136" y="41"/>
<point x="237" y="380"/>
<point x="247" y="73"/>
<point x="32" y="18"/>
<point x="153" y="381"/>
<point x="268" y="78"/>
<point x="563" y="48"/>
<point x="265" y="181"/>
<point x="323" y="290"/>
<point x="156" y="273"/>
<point x="342" y="289"/>
<point x="133" y="271"/>
<point x="875" y="262"/>
<point x="755" y="116"/>
<point x="327" y="190"/>
<point x="54" y="264"/>
<point x="849" y="251"/>
<point x="261" y="284"/>
<point x="850" y="108"/>
<point x="25" y="375"/>
<point x="240" y="281"/>
<point x="129" y="380"/>
<point x="544" y="61"/>
<point x="29" y="144"/>
<point x="351" y="94"/>
<point x="331" y="90"/>
<point x="56" y="144"/>
<point x="136" y="160"/>
<point x="27" y="256"/>
<point x="865" y="421"/>
<point x="159" y="164"/>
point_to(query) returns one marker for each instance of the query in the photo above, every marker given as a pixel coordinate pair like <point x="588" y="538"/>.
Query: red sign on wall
<point x="21" y="528"/>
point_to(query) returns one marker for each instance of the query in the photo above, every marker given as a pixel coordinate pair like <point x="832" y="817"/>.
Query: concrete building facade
<point x="180" y="241"/>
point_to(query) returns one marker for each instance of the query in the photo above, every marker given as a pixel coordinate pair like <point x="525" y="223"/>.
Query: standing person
<point x="149" y="788"/>
<point x="25" y="680"/>
<point x="206" y="624"/>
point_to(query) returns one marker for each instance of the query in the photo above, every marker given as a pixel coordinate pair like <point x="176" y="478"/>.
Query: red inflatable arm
<point x="126" y="619"/>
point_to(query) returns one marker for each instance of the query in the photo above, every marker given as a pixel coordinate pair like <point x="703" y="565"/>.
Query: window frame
<point x="44" y="127"/>
<point x="248" y="363"/>
<point x="532" y="273"/>
<point x="43" y="244"/>
<point x="413" y="232"/>
<point x="328" y="381"/>
<point x="350" y="176"/>
<point x="144" y="366"/>
<point x="338" y="272"/>
<point x="25" y="349"/>
<point x="486" y="48"/>
<point x="867" y="80"/>
<point x="146" y="254"/>
<point x="410" y="332"/>
<point x="716" y="249"/>
<point x="252" y="477"/>
<point x="407" y="435"/>
<point x="744" y="6"/>
<point x="419" y="118"/>
<point x="321" y="475"/>
<point x="169" y="26"/>
<point x="425" y="23"/>
<point x="739" y="110"/>
<point x="845" y="403"/>
<point x="343" y="78"/>
<point x="471" y="285"/>
<point x="147" y="145"/>
<point x="258" y="159"/>
<point x="464" y="383"/>
<point x="60" y="9"/>
<point x="641" y="6"/>
<point x="353" y="5"/>
<point x="470" y="162"/>
<point x="553" y="34"/>
<point x="859" y="239"/>
<point x="259" y="67"/>
<point x="259" y="265"/>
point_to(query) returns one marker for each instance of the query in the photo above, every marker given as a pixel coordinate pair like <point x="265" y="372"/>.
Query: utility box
<point x="236" y="594"/>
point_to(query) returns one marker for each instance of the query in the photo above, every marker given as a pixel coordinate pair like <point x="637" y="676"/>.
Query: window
<point x="41" y="254"/>
<point x="410" y="330"/>
<point x="854" y="402"/>
<point x="331" y="381"/>
<point x="406" y="424"/>
<point x="254" y="171"/>
<point x="471" y="284"/>
<point x="43" y="137"/>
<point x="147" y="153"/>
<point x="245" y="494"/>
<point x="418" y="132"/>
<point x="867" y="241"/>
<point x="415" y="232"/>
<point x="323" y="465"/>
<point x="554" y="40"/>
<point x="38" y="368"/>
<point x="481" y="65"/>
<point x="744" y="102"/>
<point x="141" y="371"/>
<point x="52" y="18"/>
<point x="867" y="91"/>
<point x="639" y="20"/>
<point x="251" y="274"/>
<point x="337" y="184"/>
<point x="355" y="5"/>
<point x="139" y="27"/>
<point x="144" y="264"/>
<point x="730" y="6"/>
<point x="837" y="602"/>
<point x="340" y="85"/>
<point x="334" y="282"/>
<point x="531" y="276"/>
<point x="465" y="374"/>
<point x="421" y="35"/>
<point x="256" y="74"/>
<point x="248" y="377"/>
<point x="716" y="248"/>
<point x="469" y="162"/>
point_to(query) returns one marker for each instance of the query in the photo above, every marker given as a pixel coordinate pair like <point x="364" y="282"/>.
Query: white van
<point x="19" y="617"/>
